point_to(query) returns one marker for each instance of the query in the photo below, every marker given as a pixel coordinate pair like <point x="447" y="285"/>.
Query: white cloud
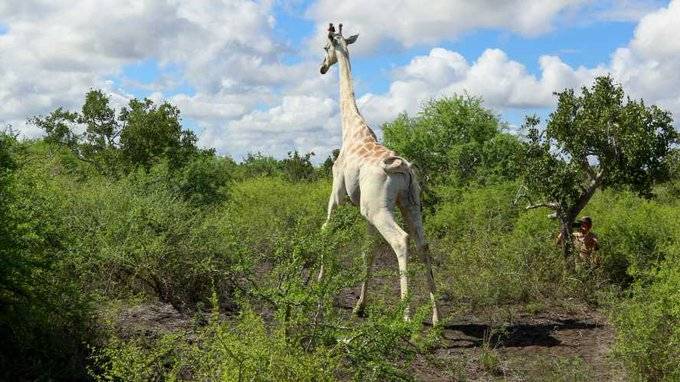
<point x="656" y="36"/>
<point x="54" y="51"/>
<point x="411" y="22"/>
<point x="624" y="10"/>
<point x="296" y="113"/>
<point x="648" y="68"/>
<point x="218" y="107"/>
<point x="502" y="82"/>
<point x="306" y="123"/>
<point x="246" y="99"/>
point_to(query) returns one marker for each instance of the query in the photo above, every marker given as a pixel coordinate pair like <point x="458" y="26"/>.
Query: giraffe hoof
<point x="435" y="317"/>
<point x="407" y="315"/>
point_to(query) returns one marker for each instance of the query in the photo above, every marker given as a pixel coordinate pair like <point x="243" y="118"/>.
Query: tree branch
<point x="552" y="206"/>
<point x="523" y="194"/>
<point x="594" y="184"/>
<point x="80" y="156"/>
<point x="585" y="166"/>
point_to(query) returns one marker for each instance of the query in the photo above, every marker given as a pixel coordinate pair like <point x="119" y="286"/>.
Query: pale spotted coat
<point x="376" y="179"/>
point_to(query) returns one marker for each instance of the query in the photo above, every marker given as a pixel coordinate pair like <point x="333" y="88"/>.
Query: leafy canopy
<point x="455" y="139"/>
<point x="143" y="133"/>
<point x="597" y="139"/>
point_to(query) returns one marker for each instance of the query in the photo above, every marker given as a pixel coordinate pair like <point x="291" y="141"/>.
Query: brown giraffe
<point x="375" y="178"/>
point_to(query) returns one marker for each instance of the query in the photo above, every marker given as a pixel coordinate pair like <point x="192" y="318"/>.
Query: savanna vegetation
<point x="128" y="253"/>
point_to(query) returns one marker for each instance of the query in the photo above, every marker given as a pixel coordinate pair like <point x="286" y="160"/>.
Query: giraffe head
<point x="335" y="44"/>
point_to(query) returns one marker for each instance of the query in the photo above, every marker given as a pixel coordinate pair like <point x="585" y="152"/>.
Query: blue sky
<point x="245" y="73"/>
<point x="574" y="44"/>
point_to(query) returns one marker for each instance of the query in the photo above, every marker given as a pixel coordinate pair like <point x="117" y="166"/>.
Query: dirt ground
<point x="555" y="344"/>
<point x="569" y="342"/>
<point x="545" y="346"/>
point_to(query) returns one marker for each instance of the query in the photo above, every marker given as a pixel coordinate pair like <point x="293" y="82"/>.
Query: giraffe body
<point x="376" y="179"/>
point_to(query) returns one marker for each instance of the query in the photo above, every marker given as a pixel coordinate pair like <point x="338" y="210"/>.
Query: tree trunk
<point x="568" y="217"/>
<point x="567" y="242"/>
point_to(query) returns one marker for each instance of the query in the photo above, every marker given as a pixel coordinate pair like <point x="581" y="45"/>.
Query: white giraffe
<point x="374" y="178"/>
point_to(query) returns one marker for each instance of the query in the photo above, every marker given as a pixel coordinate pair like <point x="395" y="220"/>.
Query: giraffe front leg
<point x="336" y="199"/>
<point x="368" y="255"/>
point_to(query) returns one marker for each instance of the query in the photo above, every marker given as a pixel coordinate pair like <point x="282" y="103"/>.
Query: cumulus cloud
<point x="501" y="81"/>
<point x="624" y="10"/>
<point x="296" y="113"/>
<point x="53" y="52"/>
<point x="648" y="67"/>
<point x="245" y="98"/>
<point x="302" y="122"/>
<point x="411" y="22"/>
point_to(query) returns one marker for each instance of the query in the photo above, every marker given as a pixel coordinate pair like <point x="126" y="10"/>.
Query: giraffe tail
<point x="413" y="186"/>
<point x="395" y="164"/>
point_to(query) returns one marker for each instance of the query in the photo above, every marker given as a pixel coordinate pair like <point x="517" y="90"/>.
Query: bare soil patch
<point x="567" y="342"/>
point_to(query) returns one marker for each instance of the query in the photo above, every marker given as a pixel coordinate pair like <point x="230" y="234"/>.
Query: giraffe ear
<point x="351" y="39"/>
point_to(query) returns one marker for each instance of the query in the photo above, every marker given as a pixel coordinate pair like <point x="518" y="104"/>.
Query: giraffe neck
<point x="353" y="123"/>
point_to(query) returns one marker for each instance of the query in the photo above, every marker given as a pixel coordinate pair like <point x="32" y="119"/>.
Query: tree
<point x="151" y="132"/>
<point x="9" y="260"/>
<point x="254" y="165"/>
<point x="298" y="167"/>
<point x="205" y="179"/>
<point x="142" y="134"/>
<point x="96" y="143"/>
<point x="44" y="312"/>
<point x="326" y="168"/>
<point x="454" y="140"/>
<point x="598" y="139"/>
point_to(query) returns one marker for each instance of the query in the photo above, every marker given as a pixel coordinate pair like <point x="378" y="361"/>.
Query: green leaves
<point x="152" y="132"/>
<point x="454" y="140"/>
<point x="143" y="134"/>
<point x="605" y="132"/>
<point x="648" y="327"/>
<point x="597" y="139"/>
<point x="298" y="167"/>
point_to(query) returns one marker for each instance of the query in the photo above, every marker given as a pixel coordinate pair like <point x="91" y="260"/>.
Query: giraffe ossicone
<point x="375" y="178"/>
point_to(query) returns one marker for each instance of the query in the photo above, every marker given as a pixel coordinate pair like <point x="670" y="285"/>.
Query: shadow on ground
<point x="466" y="335"/>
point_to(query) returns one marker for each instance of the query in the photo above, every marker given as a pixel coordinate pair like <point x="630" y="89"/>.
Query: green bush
<point x="455" y="141"/>
<point x="136" y="235"/>
<point x="221" y="351"/>
<point x="648" y="326"/>
<point x="45" y="315"/>
<point x="248" y="348"/>
<point x="254" y="165"/>
<point x="634" y="234"/>
<point x="490" y="251"/>
<point x="205" y="180"/>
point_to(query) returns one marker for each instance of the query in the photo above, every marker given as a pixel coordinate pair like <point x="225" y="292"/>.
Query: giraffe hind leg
<point x="413" y="217"/>
<point x="383" y="220"/>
